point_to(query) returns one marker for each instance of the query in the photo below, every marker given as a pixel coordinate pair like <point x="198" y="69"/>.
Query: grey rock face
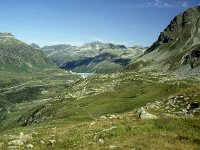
<point x="143" y="114"/>
<point x="193" y="58"/>
<point x="177" y="46"/>
<point x="178" y="28"/>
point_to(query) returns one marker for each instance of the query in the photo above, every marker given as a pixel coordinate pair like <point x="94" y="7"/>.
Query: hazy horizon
<point x="76" y="22"/>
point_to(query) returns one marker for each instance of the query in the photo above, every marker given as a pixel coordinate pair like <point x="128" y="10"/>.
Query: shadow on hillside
<point x="96" y="59"/>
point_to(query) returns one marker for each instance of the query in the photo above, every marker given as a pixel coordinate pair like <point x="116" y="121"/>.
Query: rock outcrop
<point x="193" y="57"/>
<point x="143" y="114"/>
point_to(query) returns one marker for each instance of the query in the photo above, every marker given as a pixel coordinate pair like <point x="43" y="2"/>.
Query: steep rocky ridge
<point x="178" y="42"/>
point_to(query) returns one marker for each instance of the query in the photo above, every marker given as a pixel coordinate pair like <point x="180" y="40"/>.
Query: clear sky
<point x="128" y="22"/>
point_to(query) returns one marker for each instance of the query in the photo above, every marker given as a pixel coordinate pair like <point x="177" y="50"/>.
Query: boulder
<point x="143" y="114"/>
<point x="29" y="146"/>
<point x="16" y="142"/>
<point x="186" y="98"/>
<point x="101" y="141"/>
<point x="42" y="142"/>
<point x="113" y="147"/>
<point x="51" y="142"/>
<point x="103" y="117"/>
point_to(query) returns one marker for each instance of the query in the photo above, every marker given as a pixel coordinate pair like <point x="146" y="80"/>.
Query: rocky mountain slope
<point x="177" y="47"/>
<point x="92" y="57"/>
<point x="17" y="56"/>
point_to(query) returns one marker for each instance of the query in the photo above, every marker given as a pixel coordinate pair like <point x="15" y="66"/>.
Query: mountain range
<point x="93" y="57"/>
<point x="138" y="98"/>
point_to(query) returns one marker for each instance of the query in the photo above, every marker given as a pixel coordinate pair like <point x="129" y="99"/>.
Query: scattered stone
<point x="25" y="138"/>
<point x="103" y="117"/>
<point x="139" y="110"/>
<point x="20" y="140"/>
<point x="145" y="115"/>
<point x="188" y="106"/>
<point x="12" y="147"/>
<point x="109" y="129"/>
<point x="16" y="142"/>
<point x="169" y="103"/>
<point x="101" y="141"/>
<point x="158" y="103"/>
<point x="170" y="97"/>
<point x="103" y="133"/>
<point x="92" y="123"/>
<point x="131" y="115"/>
<point x="184" y="111"/>
<point x="42" y="142"/>
<point x="51" y="142"/>
<point x="165" y="115"/>
<point x="29" y="146"/>
<point x="113" y="147"/>
<point x="114" y="117"/>
<point x="186" y="98"/>
<point x="151" y="106"/>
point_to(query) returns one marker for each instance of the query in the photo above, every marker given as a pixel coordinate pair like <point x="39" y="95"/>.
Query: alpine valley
<point x="138" y="97"/>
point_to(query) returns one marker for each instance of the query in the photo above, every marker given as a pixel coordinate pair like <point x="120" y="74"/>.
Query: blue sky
<point x="128" y="22"/>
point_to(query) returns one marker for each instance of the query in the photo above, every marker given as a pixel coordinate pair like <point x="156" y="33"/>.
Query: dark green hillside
<point x="26" y="75"/>
<point x="16" y="56"/>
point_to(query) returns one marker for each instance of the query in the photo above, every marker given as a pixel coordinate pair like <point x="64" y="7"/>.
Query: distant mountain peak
<point x="58" y="47"/>
<point x="96" y="45"/>
<point x="36" y="46"/>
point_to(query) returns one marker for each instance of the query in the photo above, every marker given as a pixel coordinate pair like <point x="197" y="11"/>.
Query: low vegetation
<point x="100" y="112"/>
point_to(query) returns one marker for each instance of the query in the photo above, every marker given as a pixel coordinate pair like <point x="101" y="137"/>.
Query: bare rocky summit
<point x="177" y="48"/>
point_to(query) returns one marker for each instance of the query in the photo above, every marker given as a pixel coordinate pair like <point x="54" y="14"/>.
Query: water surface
<point x="85" y="75"/>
